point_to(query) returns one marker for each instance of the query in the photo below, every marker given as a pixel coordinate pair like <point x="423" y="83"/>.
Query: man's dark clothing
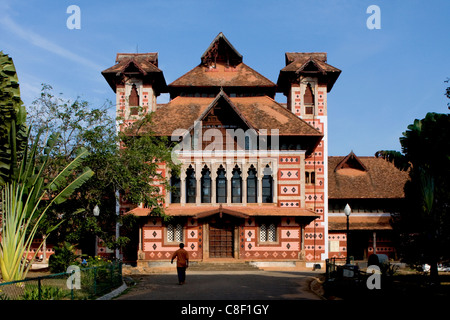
<point x="182" y="263"/>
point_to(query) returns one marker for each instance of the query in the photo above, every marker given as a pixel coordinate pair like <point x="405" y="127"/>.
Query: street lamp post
<point x="347" y="211"/>
<point x="96" y="212"/>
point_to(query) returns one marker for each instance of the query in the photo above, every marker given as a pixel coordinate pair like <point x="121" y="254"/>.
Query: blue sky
<point x="390" y="76"/>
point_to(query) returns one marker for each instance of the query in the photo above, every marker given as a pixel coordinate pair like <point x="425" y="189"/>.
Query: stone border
<point x="114" y="293"/>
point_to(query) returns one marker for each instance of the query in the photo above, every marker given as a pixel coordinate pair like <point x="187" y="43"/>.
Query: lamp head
<point x="347" y="210"/>
<point x="96" y="211"/>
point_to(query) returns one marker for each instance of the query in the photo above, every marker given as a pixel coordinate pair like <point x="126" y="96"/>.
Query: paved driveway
<point x="224" y="285"/>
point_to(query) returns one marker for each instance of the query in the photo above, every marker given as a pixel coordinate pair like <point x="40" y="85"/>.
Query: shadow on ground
<point x="223" y="286"/>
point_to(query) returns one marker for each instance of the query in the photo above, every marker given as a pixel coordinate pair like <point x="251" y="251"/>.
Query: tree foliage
<point x="125" y="166"/>
<point x="424" y="223"/>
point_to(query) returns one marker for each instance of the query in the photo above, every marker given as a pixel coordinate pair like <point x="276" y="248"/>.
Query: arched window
<point x="191" y="185"/>
<point x="267" y="182"/>
<point x="175" y="183"/>
<point x="133" y="100"/>
<point x="206" y="185"/>
<point x="221" y="186"/>
<point x="252" y="186"/>
<point x="308" y="99"/>
<point x="236" y="185"/>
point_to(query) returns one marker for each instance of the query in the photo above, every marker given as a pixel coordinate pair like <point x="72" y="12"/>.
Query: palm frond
<point x="68" y="191"/>
<point x="60" y="179"/>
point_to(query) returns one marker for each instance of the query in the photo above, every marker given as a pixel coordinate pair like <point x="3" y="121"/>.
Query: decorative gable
<point x="351" y="161"/>
<point x="221" y="50"/>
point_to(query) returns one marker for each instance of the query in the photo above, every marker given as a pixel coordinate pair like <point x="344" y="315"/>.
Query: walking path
<point x="225" y="285"/>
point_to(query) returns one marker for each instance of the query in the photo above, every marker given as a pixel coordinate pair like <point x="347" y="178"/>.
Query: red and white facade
<point x="233" y="199"/>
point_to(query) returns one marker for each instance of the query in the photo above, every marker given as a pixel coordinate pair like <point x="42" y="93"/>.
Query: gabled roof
<point x="222" y="95"/>
<point x="307" y="63"/>
<point x="258" y="112"/>
<point x="146" y="62"/>
<point x="304" y="59"/>
<point x="221" y="66"/>
<point x="292" y="56"/>
<point x="380" y="179"/>
<point x="135" y="64"/>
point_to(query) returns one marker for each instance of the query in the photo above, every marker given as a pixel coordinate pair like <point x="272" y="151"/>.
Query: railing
<point x="331" y="266"/>
<point x="80" y="284"/>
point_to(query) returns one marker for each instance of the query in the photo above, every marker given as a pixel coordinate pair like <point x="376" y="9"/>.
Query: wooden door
<point x="221" y="241"/>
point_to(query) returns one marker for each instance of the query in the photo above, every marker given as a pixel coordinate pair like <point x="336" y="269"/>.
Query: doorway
<point x="221" y="240"/>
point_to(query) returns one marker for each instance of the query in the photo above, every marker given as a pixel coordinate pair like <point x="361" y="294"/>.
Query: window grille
<point x="175" y="233"/>
<point x="263" y="233"/>
<point x="170" y="233"/>
<point x="268" y="232"/>
<point x="179" y="233"/>
<point x="272" y="233"/>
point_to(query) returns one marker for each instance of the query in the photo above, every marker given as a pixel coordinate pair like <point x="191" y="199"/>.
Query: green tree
<point x="424" y="223"/>
<point x="128" y="172"/>
<point x="27" y="191"/>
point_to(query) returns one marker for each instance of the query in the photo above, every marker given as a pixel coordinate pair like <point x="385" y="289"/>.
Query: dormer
<point x="351" y="165"/>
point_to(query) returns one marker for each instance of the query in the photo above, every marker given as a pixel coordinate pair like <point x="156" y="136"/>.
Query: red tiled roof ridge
<point x="179" y="82"/>
<point x="292" y="56"/>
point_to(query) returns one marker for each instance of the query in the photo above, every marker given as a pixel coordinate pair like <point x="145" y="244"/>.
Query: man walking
<point x="182" y="263"/>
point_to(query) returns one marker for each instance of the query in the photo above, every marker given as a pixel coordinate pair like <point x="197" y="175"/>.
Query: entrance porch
<point x="251" y="233"/>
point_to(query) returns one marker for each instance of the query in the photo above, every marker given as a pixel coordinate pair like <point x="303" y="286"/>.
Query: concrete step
<point x="221" y="266"/>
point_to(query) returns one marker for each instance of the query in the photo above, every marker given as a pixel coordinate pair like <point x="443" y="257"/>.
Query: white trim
<point x="360" y="214"/>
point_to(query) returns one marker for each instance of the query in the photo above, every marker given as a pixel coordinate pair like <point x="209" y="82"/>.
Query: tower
<point x="137" y="82"/>
<point x="305" y="81"/>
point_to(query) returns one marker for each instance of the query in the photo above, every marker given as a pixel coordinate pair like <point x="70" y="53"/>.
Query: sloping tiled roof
<point x="292" y="56"/>
<point x="381" y="179"/>
<point x="360" y="222"/>
<point x="145" y="63"/>
<point x="222" y="76"/>
<point x="265" y="113"/>
<point x="260" y="112"/>
<point x="300" y="63"/>
<point x="176" y="210"/>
